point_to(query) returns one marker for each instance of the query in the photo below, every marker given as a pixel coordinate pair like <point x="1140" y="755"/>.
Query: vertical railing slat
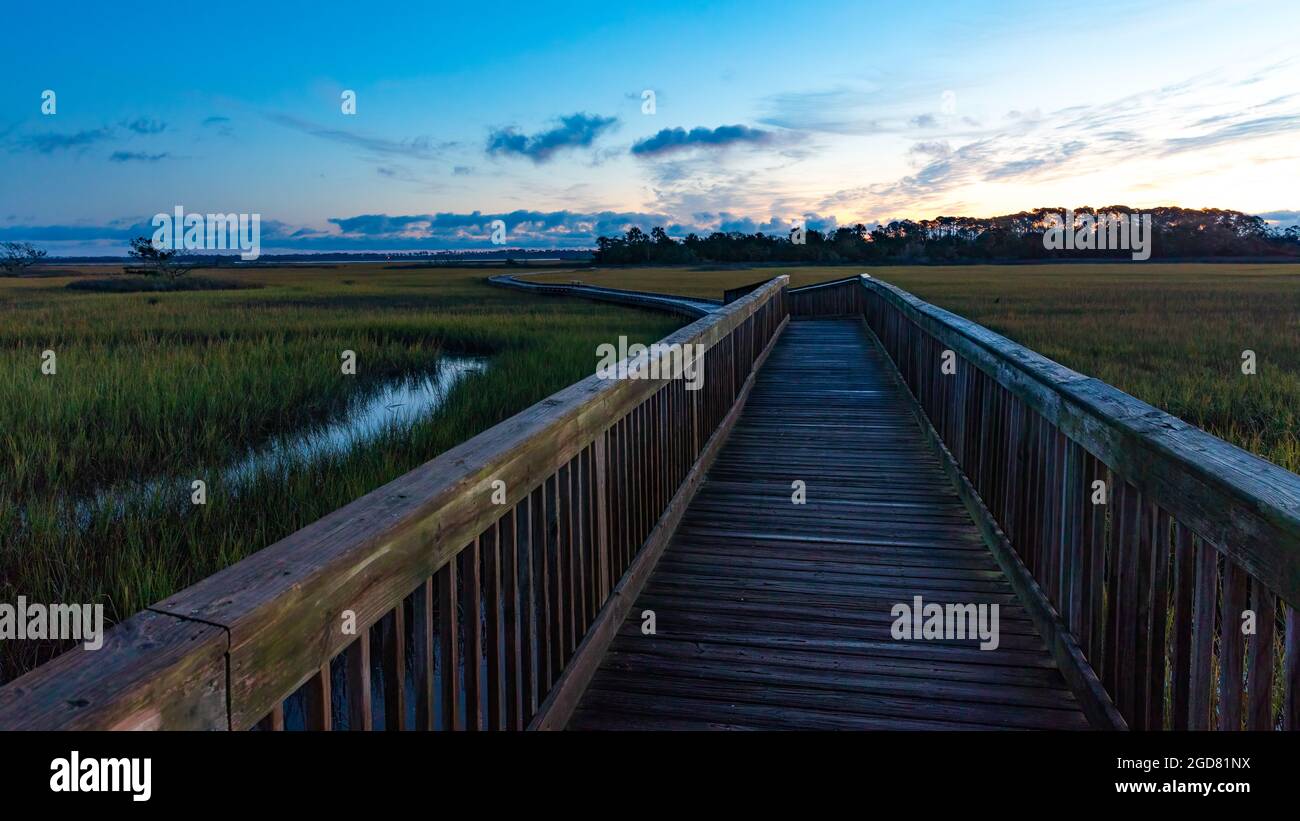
<point x="1142" y="532"/>
<point x="1231" y="646"/>
<point x="1128" y="593"/>
<point x="529" y="638"/>
<point x="1291" y="670"/>
<point x="393" y="630"/>
<point x="1259" y="676"/>
<point x="545" y="653"/>
<point x="318" y="710"/>
<point x="1157" y="621"/>
<point x="424" y="661"/>
<point x="449" y="642"/>
<point x="472" y="625"/>
<point x="1201" y="684"/>
<point x="492" y="603"/>
<point x="1184" y="586"/>
<point x="599" y="481"/>
<point x="358" y="669"/>
<point x="512" y="676"/>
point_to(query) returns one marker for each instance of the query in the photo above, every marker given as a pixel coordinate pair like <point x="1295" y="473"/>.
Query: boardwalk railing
<point x="840" y="297"/>
<point x="1170" y="558"/>
<point x="477" y="591"/>
<point x="690" y="306"/>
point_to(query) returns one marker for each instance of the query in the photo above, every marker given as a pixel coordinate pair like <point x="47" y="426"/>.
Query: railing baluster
<point x="1096" y="637"/>
<point x="1184" y="586"/>
<point x="318" y="711"/>
<point x="529" y="637"/>
<point x="1128" y="593"/>
<point x="545" y="650"/>
<point x="424" y="661"/>
<point x="358" y="660"/>
<point x="471" y="597"/>
<point x="1291" y="671"/>
<point x="393" y="631"/>
<point x="1142" y="532"/>
<point x="1200" y="689"/>
<point x="492" y="623"/>
<point x="1231" y="646"/>
<point x="564" y="559"/>
<point x="582" y="505"/>
<point x="513" y="680"/>
<point x="590" y="500"/>
<point x="449" y="641"/>
<point x="1259" y="682"/>
<point x="1158" y="621"/>
<point x="601" y="457"/>
<point x="1056" y="533"/>
<point x="572" y="534"/>
<point x="636" y="489"/>
<point x="1110" y="638"/>
<point x="555" y="515"/>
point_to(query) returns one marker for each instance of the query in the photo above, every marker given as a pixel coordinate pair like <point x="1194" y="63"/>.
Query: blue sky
<point x="764" y="112"/>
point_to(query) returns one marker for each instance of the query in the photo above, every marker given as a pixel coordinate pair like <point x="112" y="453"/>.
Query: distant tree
<point x="1177" y="232"/>
<point x="162" y="263"/>
<point x="17" y="257"/>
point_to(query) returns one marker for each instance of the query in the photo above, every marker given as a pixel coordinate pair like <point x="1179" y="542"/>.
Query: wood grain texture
<point x="154" y="672"/>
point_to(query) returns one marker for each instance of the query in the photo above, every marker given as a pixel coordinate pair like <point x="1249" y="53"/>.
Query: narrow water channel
<point x="394" y="406"/>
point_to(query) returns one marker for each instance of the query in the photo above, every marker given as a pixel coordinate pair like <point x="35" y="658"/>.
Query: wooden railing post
<point x="602" y="514"/>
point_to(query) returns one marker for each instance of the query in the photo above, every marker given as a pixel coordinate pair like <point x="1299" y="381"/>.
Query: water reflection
<point x="390" y="408"/>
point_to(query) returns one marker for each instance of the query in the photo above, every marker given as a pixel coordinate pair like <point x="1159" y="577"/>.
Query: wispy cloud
<point x="218" y="124"/>
<point x="1235" y="132"/>
<point x="835" y="110"/>
<point x="1032" y="146"/>
<point x="885" y="106"/>
<point x="143" y="125"/>
<point x="420" y="148"/>
<point x="51" y="142"/>
<point x="574" y="131"/>
<point x="136" y="156"/>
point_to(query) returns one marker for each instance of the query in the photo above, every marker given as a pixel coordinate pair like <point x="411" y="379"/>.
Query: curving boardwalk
<point x="772" y="615"/>
<point x="689" y="306"/>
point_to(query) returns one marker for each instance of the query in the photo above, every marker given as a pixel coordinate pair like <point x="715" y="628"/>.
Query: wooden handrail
<point x="1154" y="584"/>
<point x="580" y="481"/>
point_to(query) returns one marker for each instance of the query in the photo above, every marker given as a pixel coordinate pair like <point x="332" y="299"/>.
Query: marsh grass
<point x="132" y="284"/>
<point x="183" y="384"/>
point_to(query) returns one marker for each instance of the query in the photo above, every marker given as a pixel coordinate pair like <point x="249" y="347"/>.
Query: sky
<point x="763" y="112"/>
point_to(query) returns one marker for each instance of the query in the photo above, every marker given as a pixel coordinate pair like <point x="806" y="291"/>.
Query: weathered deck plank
<point x="772" y="615"/>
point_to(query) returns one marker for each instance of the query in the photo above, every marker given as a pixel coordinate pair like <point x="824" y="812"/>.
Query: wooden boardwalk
<point x="772" y="615"/>
<point x="623" y="496"/>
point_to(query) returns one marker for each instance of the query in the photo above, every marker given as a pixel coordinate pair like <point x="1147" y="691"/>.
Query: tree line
<point x="1176" y="233"/>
